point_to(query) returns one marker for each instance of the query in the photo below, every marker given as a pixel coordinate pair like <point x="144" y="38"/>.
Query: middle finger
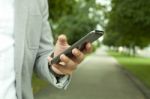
<point x="70" y="64"/>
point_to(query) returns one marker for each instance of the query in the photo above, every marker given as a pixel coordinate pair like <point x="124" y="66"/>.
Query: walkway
<point x="98" y="77"/>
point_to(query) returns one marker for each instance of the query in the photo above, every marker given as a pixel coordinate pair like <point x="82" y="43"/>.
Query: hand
<point x="67" y="65"/>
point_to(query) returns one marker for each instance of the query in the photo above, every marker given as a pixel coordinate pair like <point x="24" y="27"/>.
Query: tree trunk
<point x="134" y="50"/>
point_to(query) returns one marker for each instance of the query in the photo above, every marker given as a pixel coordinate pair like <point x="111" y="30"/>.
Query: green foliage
<point x="59" y="8"/>
<point x="38" y="84"/>
<point x="129" y="23"/>
<point x="74" y="27"/>
<point x="73" y="17"/>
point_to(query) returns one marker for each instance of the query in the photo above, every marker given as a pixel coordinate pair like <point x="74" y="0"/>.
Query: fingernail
<point x="89" y="45"/>
<point x="62" y="38"/>
<point x="62" y="56"/>
<point x="75" y="51"/>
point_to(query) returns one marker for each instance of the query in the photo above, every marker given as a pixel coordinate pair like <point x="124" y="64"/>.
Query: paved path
<point x="97" y="78"/>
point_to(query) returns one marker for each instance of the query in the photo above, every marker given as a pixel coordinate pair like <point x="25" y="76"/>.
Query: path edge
<point x="138" y="83"/>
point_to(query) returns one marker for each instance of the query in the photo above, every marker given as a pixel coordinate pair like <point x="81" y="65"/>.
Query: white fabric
<point x="7" y="72"/>
<point x="6" y="17"/>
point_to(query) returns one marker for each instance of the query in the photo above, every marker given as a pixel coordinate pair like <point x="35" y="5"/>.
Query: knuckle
<point x="73" y="64"/>
<point x="66" y="60"/>
<point x="78" y="61"/>
<point x="81" y="54"/>
<point x="81" y="58"/>
<point x="74" y="67"/>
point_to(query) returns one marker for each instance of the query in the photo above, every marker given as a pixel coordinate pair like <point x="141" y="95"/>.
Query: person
<point x="24" y="23"/>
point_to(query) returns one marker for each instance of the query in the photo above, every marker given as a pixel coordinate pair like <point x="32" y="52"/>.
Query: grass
<point x="138" y="66"/>
<point x="38" y="84"/>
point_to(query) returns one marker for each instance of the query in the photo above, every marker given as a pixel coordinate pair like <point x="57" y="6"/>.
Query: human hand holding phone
<point x="67" y="58"/>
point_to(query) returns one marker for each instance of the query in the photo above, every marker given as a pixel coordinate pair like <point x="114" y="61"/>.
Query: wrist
<point x="54" y="73"/>
<point x="52" y="69"/>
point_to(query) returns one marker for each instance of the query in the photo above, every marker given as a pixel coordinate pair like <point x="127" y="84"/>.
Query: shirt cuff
<point x="59" y="82"/>
<point x="61" y="79"/>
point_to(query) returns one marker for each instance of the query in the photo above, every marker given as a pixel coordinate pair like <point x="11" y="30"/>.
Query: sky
<point x="104" y="2"/>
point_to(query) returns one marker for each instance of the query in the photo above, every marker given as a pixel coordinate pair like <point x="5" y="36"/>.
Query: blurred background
<point x="119" y="67"/>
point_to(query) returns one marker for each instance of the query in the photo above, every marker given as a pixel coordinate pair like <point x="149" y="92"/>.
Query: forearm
<point x="45" y="50"/>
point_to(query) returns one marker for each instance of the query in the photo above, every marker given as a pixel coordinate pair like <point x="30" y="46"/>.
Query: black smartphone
<point x="80" y="44"/>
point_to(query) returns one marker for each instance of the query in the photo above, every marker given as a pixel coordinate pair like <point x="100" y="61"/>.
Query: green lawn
<point x="138" y="66"/>
<point x="38" y="84"/>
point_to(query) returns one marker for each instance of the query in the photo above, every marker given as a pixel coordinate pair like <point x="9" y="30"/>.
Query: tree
<point x="59" y="8"/>
<point x="129" y="23"/>
<point x="74" y="18"/>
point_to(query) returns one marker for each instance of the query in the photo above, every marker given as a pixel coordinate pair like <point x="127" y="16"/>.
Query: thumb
<point x="54" y="69"/>
<point x="62" y="40"/>
<point x="61" y="45"/>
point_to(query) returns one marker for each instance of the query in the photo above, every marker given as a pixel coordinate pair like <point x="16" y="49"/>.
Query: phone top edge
<point x="99" y="31"/>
